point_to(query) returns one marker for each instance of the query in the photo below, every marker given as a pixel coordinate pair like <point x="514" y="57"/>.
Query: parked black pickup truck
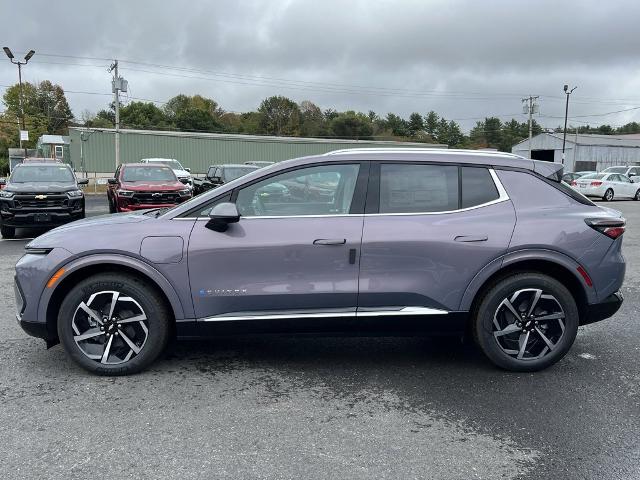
<point x="220" y="174"/>
<point x="40" y="194"/>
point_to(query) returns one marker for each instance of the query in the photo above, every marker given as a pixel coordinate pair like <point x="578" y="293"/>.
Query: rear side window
<point x="408" y="188"/>
<point x="478" y="187"/>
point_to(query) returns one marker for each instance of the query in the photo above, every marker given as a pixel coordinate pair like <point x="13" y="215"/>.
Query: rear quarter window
<point x="530" y="191"/>
<point x="478" y="187"/>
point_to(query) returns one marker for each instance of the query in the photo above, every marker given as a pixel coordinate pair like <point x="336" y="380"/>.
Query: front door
<point x="293" y="254"/>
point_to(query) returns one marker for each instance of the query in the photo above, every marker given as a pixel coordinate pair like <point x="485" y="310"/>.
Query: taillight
<point x="573" y="183"/>
<point x="596" y="184"/>
<point x="611" y="227"/>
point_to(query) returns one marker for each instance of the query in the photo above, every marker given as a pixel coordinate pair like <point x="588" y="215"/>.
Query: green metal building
<point x="93" y="150"/>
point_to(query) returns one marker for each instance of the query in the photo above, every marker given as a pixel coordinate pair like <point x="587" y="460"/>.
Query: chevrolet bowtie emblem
<point x="40" y="197"/>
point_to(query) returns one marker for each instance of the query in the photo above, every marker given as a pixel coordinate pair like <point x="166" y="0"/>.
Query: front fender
<point x="512" y="258"/>
<point x="114" y="259"/>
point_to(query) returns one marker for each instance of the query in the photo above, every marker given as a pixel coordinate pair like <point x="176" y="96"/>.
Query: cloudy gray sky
<point x="463" y="59"/>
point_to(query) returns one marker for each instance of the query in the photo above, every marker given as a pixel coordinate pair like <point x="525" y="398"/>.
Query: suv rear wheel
<point x="113" y="324"/>
<point x="526" y="322"/>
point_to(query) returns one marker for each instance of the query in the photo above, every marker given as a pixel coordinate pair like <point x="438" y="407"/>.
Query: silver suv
<point x="364" y="241"/>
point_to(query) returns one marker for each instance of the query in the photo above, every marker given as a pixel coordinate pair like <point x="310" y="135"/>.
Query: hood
<point x="67" y="235"/>
<point x="181" y="173"/>
<point x="153" y="186"/>
<point x="44" y="187"/>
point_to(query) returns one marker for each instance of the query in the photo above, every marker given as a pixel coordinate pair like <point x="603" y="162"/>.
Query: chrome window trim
<point x="502" y="197"/>
<point x="368" y="313"/>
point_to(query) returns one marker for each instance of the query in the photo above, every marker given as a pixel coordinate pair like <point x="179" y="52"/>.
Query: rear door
<point x="428" y="231"/>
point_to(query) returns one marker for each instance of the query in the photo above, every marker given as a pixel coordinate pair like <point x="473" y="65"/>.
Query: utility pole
<point x="566" y="115"/>
<point x="530" y="106"/>
<point x="27" y="57"/>
<point x="118" y="84"/>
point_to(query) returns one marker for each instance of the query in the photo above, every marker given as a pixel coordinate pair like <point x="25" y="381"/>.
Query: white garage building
<point x="583" y="151"/>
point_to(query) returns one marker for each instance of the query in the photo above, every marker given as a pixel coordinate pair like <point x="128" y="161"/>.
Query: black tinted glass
<point x="477" y="187"/>
<point x="418" y="188"/>
<point x="37" y="173"/>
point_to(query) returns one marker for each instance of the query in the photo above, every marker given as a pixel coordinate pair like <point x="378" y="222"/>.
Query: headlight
<point x="186" y="192"/>
<point x="125" y="193"/>
<point x="5" y="194"/>
<point x="74" y="193"/>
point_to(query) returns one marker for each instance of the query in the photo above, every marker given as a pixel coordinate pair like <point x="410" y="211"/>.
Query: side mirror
<point x="185" y="181"/>
<point x="187" y="170"/>
<point x="112" y="181"/>
<point x="222" y="215"/>
<point x="83" y="181"/>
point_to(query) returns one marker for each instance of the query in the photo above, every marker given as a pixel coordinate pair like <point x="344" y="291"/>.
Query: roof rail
<point x="439" y="151"/>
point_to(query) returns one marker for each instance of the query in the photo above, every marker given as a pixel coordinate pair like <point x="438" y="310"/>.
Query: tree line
<point x="47" y="111"/>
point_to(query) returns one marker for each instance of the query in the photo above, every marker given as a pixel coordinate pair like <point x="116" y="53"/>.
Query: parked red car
<point x="139" y="186"/>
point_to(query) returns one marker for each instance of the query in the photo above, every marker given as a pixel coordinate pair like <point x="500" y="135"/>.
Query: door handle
<point x="330" y="241"/>
<point x="471" y="238"/>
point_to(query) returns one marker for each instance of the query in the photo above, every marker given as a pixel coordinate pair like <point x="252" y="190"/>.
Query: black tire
<point x="7" y="232"/>
<point x="608" y="195"/>
<point x="153" y="307"/>
<point x="637" y="196"/>
<point x="491" y="306"/>
<point x="112" y="207"/>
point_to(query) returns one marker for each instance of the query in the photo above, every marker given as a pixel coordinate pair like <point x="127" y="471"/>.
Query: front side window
<point x="320" y="190"/>
<point x="408" y="188"/>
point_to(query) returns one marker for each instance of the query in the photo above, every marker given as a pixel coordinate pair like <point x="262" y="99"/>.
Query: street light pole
<point x="27" y="57"/>
<point x="566" y="115"/>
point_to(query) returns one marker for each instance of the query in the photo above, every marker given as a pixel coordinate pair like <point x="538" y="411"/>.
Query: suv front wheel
<point x="526" y="322"/>
<point x="7" y="232"/>
<point x="113" y="324"/>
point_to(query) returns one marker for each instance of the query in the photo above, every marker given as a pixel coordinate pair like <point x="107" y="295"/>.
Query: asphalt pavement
<point x="291" y="407"/>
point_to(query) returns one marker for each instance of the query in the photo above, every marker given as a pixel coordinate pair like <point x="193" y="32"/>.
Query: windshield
<point x="148" y="173"/>
<point x="615" y="170"/>
<point x="597" y="176"/>
<point x="42" y="173"/>
<point x="231" y="173"/>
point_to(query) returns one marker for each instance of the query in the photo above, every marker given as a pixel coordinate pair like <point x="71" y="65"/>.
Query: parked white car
<point x="630" y="172"/>
<point x="183" y="174"/>
<point x="607" y="186"/>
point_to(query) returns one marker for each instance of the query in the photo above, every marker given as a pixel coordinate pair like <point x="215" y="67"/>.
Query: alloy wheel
<point x="110" y="327"/>
<point x="608" y="195"/>
<point x="529" y="325"/>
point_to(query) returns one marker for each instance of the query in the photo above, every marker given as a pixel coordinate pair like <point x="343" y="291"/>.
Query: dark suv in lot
<point x="141" y="186"/>
<point x="40" y="193"/>
<point x="382" y="241"/>
<point x="219" y="175"/>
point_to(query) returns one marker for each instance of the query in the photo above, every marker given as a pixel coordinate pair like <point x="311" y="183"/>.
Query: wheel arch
<point x="556" y="265"/>
<point x="87" y="266"/>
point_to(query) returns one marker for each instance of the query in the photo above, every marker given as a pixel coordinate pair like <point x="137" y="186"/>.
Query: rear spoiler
<point x="550" y="170"/>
